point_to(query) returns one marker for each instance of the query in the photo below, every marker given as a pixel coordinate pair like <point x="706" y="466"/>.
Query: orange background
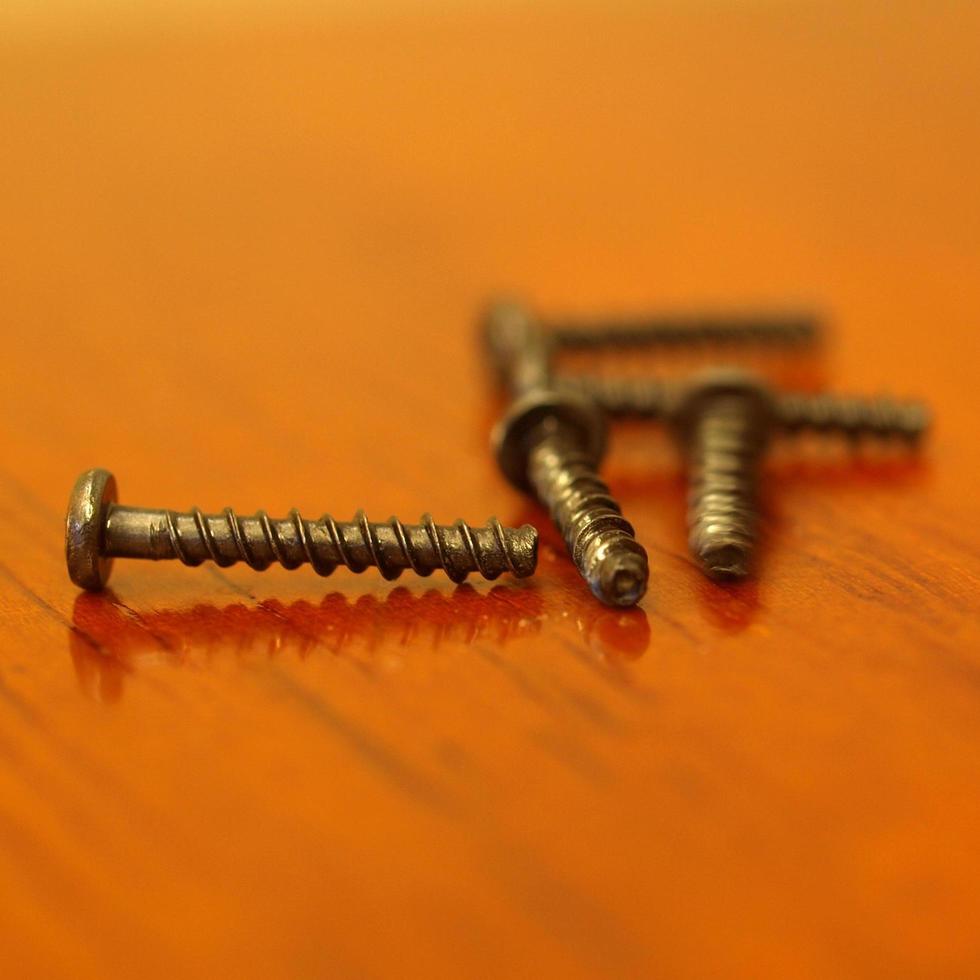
<point x="240" y="261"/>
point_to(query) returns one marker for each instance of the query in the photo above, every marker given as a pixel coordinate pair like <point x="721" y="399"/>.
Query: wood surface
<point x="240" y="264"/>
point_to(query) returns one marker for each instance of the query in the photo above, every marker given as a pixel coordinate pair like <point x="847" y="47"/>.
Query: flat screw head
<point x="92" y="496"/>
<point x="531" y="417"/>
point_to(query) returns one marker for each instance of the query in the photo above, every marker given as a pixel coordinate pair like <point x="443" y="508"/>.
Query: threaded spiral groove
<point x="880" y="417"/>
<point x="644" y="398"/>
<point x="259" y="541"/>
<point x="599" y="539"/>
<point x="683" y="331"/>
<point x="724" y="456"/>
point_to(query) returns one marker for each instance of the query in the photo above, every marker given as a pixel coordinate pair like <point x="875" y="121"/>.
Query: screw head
<point x="92" y="496"/>
<point x="718" y="383"/>
<point x="536" y="415"/>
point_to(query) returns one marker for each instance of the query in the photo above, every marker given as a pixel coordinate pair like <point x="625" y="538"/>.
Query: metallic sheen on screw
<point x="549" y="445"/>
<point x="98" y="529"/>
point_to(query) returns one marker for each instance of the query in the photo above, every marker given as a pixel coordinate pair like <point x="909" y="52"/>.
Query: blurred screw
<point x="549" y="445"/>
<point x="98" y="530"/>
<point x="677" y="330"/>
<point x="518" y="349"/>
<point x="725" y="419"/>
<point x="521" y="346"/>
<point x="880" y="417"/>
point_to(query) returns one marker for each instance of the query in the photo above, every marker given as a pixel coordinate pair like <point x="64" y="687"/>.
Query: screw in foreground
<point x="98" y="530"/>
<point x="549" y="445"/>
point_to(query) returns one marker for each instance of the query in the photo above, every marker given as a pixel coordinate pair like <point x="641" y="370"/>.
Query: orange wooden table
<point x="239" y="264"/>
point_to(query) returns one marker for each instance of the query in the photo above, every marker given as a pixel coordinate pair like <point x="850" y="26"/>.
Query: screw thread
<point x="599" y="539"/>
<point x="642" y="398"/>
<point x="683" y="331"/>
<point x="652" y="399"/>
<point x="259" y="541"/>
<point x="724" y="454"/>
<point x="881" y="417"/>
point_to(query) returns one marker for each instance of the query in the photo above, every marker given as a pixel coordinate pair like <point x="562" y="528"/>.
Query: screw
<point x="629" y="398"/>
<point x="725" y="419"/>
<point x="879" y="417"/>
<point x="521" y="347"/>
<point x="651" y="399"/>
<point x="680" y="330"/>
<point x="519" y="350"/>
<point x="98" y="530"/>
<point x="549" y="445"/>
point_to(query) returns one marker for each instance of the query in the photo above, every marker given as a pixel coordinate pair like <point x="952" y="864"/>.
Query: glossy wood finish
<point x="240" y="265"/>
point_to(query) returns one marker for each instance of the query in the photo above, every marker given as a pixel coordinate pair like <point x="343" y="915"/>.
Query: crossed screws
<point x="722" y="418"/>
<point x="549" y="445"/>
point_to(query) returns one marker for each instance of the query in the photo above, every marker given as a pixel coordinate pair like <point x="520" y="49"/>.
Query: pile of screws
<point x="549" y="445"/>
<point x="551" y="440"/>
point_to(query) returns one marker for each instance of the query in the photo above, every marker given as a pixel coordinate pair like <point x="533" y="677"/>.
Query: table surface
<point x="241" y="264"/>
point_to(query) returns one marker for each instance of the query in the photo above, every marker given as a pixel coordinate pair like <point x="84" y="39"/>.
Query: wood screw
<point x="98" y="529"/>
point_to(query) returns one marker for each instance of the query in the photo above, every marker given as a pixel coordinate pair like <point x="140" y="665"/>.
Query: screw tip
<point x="726" y="563"/>
<point x="522" y="550"/>
<point x="621" y="577"/>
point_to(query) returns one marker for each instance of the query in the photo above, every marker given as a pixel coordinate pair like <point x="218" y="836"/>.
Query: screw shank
<point x="763" y="328"/>
<point x="518" y="348"/>
<point x="726" y="443"/>
<point x="635" y="398"/>
<point x="880" y="418"/>
<point x="260" y="541"/>
<point x="855" y="418"/>
<point x="599" y="539"/>
<point x="133" y="532"/>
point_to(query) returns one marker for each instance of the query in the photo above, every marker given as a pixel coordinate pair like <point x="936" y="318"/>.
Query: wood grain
<point x="240" y="266"/>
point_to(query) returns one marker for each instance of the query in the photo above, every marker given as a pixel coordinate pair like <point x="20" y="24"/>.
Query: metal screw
<point x="521" y="347"/>
<point x="725" y="419"/>
<point x="517" y="347"/>
<point x="549" y="445"/>
<point x="651" y="399"/>
<point x="782" y="329"/>
<point x="764" y="329"/>
<point x="98" y="530"/>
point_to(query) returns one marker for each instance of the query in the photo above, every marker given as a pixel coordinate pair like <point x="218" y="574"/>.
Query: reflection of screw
<point x="549" y="445"/>
<point x="881" y="417"/>
<point x="98" y="530"/>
